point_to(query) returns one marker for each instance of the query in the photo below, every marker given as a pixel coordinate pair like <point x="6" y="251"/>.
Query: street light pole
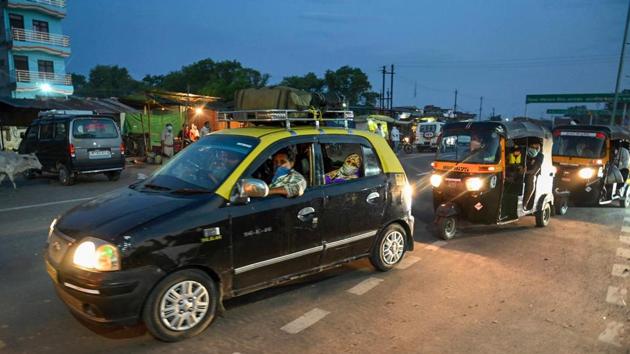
<point x="620" y="69"/>
<point x="480" y="106"/>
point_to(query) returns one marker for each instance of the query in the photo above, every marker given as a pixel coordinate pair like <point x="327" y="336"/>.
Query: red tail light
<point x="72" y="150"/>
<point x="122" y="148"/>
<point x="600" y="136"/>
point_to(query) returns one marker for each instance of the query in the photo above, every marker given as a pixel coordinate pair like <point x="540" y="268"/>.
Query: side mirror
<point x="249" y="188"/>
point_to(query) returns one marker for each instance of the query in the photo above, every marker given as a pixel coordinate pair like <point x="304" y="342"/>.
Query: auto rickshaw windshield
<point x="470" y="146"/>
<point x="579" y="144"/>
<point x="203" y="165"/>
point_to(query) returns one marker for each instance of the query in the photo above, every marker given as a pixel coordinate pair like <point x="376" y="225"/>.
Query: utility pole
<point x="493" y="112"/>
<point x="415" y="89"/>
<point x="619" y="71"/>
<point x="391" y="89"/>
<point x="383" y="88"/>
<point x="455" y="105"/>
<point x="480" y="106"/>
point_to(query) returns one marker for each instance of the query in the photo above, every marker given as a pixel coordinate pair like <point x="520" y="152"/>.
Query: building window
<point x="40" y="26"/>
<point x="16" y="21"/>
<point x="46" y="69"/>
<point x="22" y="74"/>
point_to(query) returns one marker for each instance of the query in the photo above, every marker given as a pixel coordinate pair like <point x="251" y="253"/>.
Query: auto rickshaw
<point x="490" y="173"/>
<point x="592" y="163"/>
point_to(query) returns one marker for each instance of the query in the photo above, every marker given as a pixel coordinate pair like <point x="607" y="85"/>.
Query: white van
<point x="427" y="135"/>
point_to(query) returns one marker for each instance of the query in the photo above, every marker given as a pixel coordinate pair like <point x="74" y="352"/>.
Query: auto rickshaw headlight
<point x="474" y="184"/>
<point x="586" y="173"/>
<point x="94" y="254"/>
<point x="436" y="180"/>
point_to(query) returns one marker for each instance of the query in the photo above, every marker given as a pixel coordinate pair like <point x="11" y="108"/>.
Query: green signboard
<point x="578" y="111"/>
<point x="576" y="98"/>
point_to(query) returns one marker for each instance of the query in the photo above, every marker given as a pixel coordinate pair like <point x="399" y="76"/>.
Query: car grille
<point x="58" y="246"/>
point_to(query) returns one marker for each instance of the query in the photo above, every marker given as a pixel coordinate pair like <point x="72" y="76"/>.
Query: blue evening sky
<point x="499" y="49"/>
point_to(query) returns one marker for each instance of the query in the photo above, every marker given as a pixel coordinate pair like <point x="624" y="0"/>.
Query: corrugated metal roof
<point x="99" y="105"/>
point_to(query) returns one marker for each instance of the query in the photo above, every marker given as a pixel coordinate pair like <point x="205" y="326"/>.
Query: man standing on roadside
<point x="205" y="130"/>
<point x="167" y="141"/>
<point x="395" y="138"/>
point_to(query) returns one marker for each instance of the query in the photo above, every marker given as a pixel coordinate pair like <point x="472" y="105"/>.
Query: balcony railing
<point x="43" y="77"/>
<point x="22" y="35"/>
<point x="58" y="3"/>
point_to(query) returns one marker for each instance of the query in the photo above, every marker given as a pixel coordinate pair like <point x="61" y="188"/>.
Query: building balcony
<point x="30" y="84"/>
<point x="56" y="8"/>
<point x="28" y="40"/>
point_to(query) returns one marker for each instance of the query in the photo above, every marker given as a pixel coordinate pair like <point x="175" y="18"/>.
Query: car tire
<point x="66" y="177"/>
<point x="446" y="227"/>
<point x="389" y="248"/>
<point x="113" y="176"/>
<point x="183" y="303"/>
<point x="543" y="215"/>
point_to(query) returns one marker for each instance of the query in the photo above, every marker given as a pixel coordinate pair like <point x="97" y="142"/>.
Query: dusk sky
<point x="499" y="49"/>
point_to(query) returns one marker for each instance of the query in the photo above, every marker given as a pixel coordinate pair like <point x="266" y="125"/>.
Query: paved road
<point x="511" y="289"/>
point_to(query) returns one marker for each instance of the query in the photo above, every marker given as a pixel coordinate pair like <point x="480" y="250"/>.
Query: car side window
<point x="46" y="131"/>
<point x="32" y="132"/>
<point x="60" y="131"/>
<point x="343" y="162"/>
<point x="303" y="163"/>
<point x="371" y="163"/>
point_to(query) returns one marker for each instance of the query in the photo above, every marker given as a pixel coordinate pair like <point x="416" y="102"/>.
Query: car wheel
<point x="562" y="207"/>
<point x="543" y="215"/>
<point x="446" y="227"/>
<point x="113" y="176"/>
<point x="390" y="248"/>
<point x="65" y="176"/>
<point x="181" y="306"/>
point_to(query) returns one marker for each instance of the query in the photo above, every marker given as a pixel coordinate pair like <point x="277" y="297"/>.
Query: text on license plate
<point x="51" y="271"/>
<point x="99" y="154"/>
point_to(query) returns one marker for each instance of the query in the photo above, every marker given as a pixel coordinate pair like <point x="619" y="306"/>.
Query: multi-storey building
<point x="33" y="49"/>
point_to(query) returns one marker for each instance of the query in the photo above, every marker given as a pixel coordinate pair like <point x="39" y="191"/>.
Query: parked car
<point x="169" y="249"/>
<point x="72" y="143"/>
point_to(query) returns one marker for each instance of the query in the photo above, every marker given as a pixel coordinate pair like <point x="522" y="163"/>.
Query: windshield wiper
<point x="156" y="187"/>
<point x="191" y="191"/>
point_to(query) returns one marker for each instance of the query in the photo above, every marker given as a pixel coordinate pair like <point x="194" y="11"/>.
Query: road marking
<point x="45" y="204"/>
<point x="616" y="296"/>
<point x="625" y="239"/>
<point x="621" y="270"/>
<point x="407" y="262"/>
<point x="365" y="286"/>
<point x="623" y="252"/>
<point x="305" y="321"/>
<point x="423" y="173"/>
<point x="612" y="333"/>
<point x="436" y="245"/>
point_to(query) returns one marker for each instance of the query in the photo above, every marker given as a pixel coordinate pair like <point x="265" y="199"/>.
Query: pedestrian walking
<point x="395" y="138"/>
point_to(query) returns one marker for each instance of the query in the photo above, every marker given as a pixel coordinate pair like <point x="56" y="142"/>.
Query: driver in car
<point x="478" y="150"/>
<point x="286" y="181"/>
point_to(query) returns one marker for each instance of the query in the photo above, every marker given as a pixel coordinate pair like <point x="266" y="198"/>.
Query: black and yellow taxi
<point x="208" y="226"/>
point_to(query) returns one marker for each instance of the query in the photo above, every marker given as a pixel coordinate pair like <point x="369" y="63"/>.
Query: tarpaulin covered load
<point x="278" y="97"/>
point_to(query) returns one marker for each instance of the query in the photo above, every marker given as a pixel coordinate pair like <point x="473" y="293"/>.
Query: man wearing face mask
<point x="533" y="164"/>
<point x="167" y="140"/>
<point x="286" y="181"/>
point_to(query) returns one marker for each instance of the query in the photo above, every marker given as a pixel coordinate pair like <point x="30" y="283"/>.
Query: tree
<point x="109" y="81"/>
<point x="353" y="83"/>
<point x="79" y="82"/>
<point x="309" y="82"/>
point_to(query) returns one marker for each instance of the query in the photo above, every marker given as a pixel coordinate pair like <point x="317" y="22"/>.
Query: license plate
<point x="52" y="272"/>
<point x="99" y="154"/>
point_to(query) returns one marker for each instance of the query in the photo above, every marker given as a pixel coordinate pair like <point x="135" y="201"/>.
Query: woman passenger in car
<point x="349" y="170"/>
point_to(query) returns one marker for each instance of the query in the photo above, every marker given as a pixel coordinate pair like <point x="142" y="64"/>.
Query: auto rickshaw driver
<point x="479" y="149"/>
<point x="533" y="164"/>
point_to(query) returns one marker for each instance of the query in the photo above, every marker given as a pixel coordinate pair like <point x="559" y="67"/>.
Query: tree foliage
<point x="106" y="81"/>
<point x="309" y="82"/>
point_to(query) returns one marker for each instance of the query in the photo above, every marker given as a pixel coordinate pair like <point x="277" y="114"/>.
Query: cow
<point x="12" y="163"/>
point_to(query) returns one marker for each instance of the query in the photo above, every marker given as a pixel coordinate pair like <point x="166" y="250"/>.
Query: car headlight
<point x="94" y="254"/>
<point x="474" y="184"/>
<point x="436" y="180"/>
<point x="586" y="173"/>
<point x="406" y="139"/>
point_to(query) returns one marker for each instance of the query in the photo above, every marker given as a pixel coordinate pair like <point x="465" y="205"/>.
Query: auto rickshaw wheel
<point x="543" y="215"/>
<point x="446" y="227"/>
<point x="407" y="148"/>
<point x="625" y="201"/>
<point x="562" y="207"/>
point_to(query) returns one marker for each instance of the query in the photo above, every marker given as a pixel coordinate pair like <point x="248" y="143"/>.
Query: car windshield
<point x="428" y="128"/>
<point x="579" y="144"/>
<point x="94" y="128"/>
<point x="469" y="146"/>
<point x="202" y="166"/>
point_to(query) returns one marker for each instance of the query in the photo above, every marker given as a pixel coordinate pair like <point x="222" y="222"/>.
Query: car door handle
<point x="371" y="198"/>
<point x="306" y="214"/>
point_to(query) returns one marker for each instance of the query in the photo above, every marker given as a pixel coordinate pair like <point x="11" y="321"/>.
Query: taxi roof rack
<point x="287" y="116"/>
